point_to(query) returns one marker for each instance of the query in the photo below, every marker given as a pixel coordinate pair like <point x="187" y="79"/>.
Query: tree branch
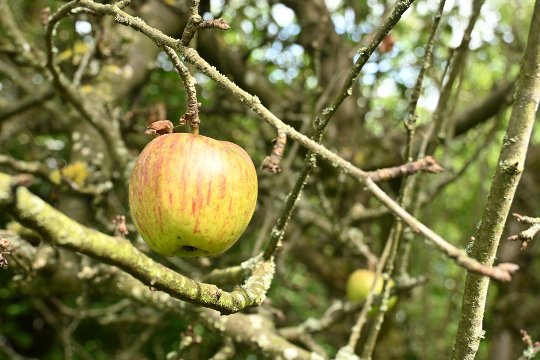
<point x="191" y="117"/>
<point x="62" y="231"/>
<point x="426" y="164"/>
<point x="249" y="330"/>
<point x="38" y="169"/>
<point x="26" y="103"/>
<point x="507" y="175"/>
<point x="29" y="54"/>
<point x="526" y="236"/>
<point x="107" y="127"/>
<point x="483" y="110"/>
<point x="191" y="55"/>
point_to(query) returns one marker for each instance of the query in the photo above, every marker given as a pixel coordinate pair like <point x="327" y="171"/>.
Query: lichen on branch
<point x="192" y="56"/>
<point x="60" y="230"/>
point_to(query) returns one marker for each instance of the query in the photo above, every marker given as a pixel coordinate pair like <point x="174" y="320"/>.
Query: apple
<point x="359" y="284"/>
<point x="191" y="195"/>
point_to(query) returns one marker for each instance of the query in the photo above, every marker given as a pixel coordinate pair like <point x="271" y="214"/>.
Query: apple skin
<point x="359" y="283"/>
<point x="191" y="195"/>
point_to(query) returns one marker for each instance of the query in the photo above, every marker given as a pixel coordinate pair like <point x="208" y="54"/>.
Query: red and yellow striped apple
<point x="191" y="195"/>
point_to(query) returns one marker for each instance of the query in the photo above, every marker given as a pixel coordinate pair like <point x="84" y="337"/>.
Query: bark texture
<point x="509" y="168"/>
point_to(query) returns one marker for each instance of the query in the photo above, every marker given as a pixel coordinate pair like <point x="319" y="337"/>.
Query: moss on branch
<point x="249" y="330"/>
<point x="60" y="230"/>
<point x="190" y="55"/>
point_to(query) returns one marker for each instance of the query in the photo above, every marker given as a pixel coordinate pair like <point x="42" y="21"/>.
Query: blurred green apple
<point x="191" y="195"/>
<point x="359" y="283"/>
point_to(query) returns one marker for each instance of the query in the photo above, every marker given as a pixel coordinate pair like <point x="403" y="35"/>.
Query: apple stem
<point x="195" y="130"/>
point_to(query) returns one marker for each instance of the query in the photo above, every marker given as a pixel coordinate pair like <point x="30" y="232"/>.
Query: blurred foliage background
<point x="290" y="54"/>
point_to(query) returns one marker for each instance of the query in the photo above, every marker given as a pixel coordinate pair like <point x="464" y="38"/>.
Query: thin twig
<point x="271" y="163"/>
<point x="85" y="61"/>
<point x="220" y="24"/>
<point x="405" y="196"/>
<point x="191" y="117"/>
<point x="361" y="320"/>
<point x="364" y="54"/>
<point x="26" y="103"/>
<point x="436" y="130"/>
<point x="193" y="23"/>
<point x="427" y="164"/>
<point x="526" y="236"/>
<point x="410" y="119"/>
<point x="38" y="169"/>
<point x="336" y="312"/>
<point x="320" y="124"/>
<point x="8" y="351"/>
<point x="14" y="74"/>
<point x="438" y="187"/>
<point x="29" y="167"/>
<point x="531" y="349"/>
<point x="13" y="32"/>
<point x="108" y="128"/>
<point x="393" y="242"/>
<point x="254" y="103"/>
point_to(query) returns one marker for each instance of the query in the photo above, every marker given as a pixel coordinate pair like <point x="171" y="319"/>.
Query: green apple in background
<point x="191" y="195"/>
<point x="359" y="284"/>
